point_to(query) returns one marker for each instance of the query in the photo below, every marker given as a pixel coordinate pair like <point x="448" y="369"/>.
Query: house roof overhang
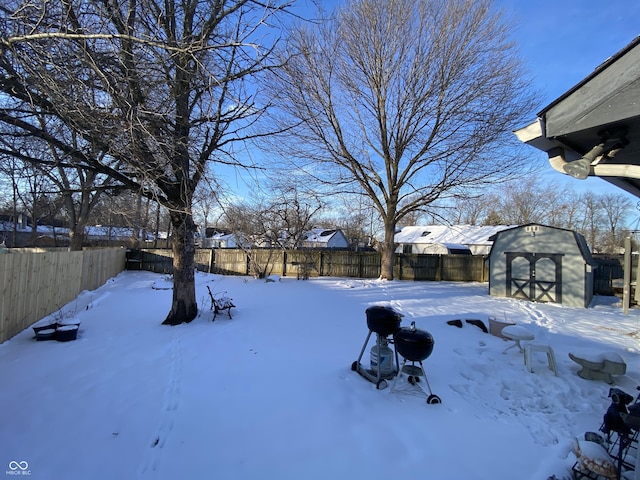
<point x="594" y="128"/>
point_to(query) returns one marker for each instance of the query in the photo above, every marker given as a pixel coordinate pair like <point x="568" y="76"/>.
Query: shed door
<point x="534" y="276"/>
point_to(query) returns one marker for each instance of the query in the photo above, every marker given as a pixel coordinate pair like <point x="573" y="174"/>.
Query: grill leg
<point x="399" y="374"/>
<point x="425" y="378"/>
<point x="431" y="397"/>
<point x="364" y="346"/>
<point x="378" y="373"/>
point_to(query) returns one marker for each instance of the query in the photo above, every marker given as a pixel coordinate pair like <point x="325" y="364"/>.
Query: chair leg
<point x="527" y="358"/>
<point x="551" y="358"/>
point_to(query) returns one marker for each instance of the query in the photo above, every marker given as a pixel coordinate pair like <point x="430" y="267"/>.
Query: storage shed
<point x="543" y="264"/>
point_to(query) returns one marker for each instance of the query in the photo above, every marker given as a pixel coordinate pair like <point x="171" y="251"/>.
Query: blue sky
<point x="561" y="42"/>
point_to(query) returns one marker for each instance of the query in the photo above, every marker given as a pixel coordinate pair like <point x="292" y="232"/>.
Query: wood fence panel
<point x="608" y="272"/>
<point x="341" y="264"/>
<point x="36" y="284"/>
<point x="98" y="265"/>
<point x="202" y="259"/>
<point x="8" y="288"/>
<point x="157" y="260"/>
<point x="303" y="263"/>
<point x="462" y="268"/>
<point x="309" y="262"/>
<point x="419" y="267"/>
<point x="271" y="260"/>
<point x="369" y="264"/>
<point x="230" y="262"/>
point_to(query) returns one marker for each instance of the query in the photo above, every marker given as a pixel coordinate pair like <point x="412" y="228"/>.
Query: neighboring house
<point x="316" y="238"/>
<point x="218" y="238"/>
<point x="49" y="236"/>
<point x="22" y="234"/>
<point x="101" y="233"/>
<point x="443" y="239"/>
<point x="21" y="221"/>
<point x="324" y="238"/>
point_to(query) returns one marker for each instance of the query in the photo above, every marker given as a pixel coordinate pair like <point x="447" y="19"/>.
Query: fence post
<point x="626" y="287"/>
<point x="284" y="263"/>
<point x="212" y="260"/>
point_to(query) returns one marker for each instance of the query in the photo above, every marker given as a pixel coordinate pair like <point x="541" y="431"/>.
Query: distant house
<point x="443" y="239"/>
<point x="324" y="238"/>
<point x="102" y="233"/>
<point x="21" y="221"/>
<point x="315" y="238"/>
<point x="218" y="238"/>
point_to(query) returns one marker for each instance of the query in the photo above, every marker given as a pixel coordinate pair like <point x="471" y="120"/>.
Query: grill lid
<point x="412" y="343"/>
<point x="383" y="320"/>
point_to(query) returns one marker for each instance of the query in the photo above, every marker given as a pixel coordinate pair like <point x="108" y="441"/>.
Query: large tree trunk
<point x="183" y="307"/>
<point x="75" y="239"/>
<point x="388" y="251"/>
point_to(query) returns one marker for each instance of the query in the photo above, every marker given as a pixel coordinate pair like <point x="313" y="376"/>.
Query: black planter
<point x="66" y="333"/>
<point x="45" y="332"/>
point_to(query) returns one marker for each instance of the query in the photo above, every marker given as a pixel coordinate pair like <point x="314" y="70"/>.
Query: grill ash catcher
<point x="412" y="344"/>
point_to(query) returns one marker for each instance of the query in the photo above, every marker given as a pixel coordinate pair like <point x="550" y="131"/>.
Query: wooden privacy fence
<point x="36" y="283"/>
<point x="314" y="263"/>
<point x="340" y="263"/>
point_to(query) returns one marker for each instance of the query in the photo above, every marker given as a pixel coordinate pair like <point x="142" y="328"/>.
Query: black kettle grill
<point x="414" y="345"/>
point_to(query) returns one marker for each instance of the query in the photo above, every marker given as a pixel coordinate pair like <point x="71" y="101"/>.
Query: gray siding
<point x="576" y="276"/>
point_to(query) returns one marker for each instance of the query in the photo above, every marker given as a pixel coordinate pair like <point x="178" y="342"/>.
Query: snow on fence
<point x="35" y="282"/>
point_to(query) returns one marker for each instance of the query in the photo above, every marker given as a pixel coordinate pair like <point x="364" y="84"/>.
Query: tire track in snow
<point x="167" y="415"/>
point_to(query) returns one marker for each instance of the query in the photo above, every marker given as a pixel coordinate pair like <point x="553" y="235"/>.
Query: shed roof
<point x="581" y="242"/>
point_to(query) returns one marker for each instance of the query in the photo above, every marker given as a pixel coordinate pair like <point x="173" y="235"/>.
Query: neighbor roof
<point x="319" y="235"/>
<point x="457" y="234"/>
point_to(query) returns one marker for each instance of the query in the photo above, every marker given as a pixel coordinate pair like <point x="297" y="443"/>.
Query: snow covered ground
<point x="270" y="394"/>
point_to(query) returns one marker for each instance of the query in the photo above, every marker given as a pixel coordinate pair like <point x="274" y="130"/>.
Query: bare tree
<point x="615" y="207"/>
<point x="359" y="221"/>
<point x="591" y="219"/>
<point x="468" y="209"/>
<point x="160" y="87"/>
<point x="11" y="169"/>
<point x="34" y="193"/>
<point x="529" y="201"/>
<point x="77" y="186"/>
<point x="403" y="100"/>
<point x="278" y="223"/>
<point x="206" y="201"/>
